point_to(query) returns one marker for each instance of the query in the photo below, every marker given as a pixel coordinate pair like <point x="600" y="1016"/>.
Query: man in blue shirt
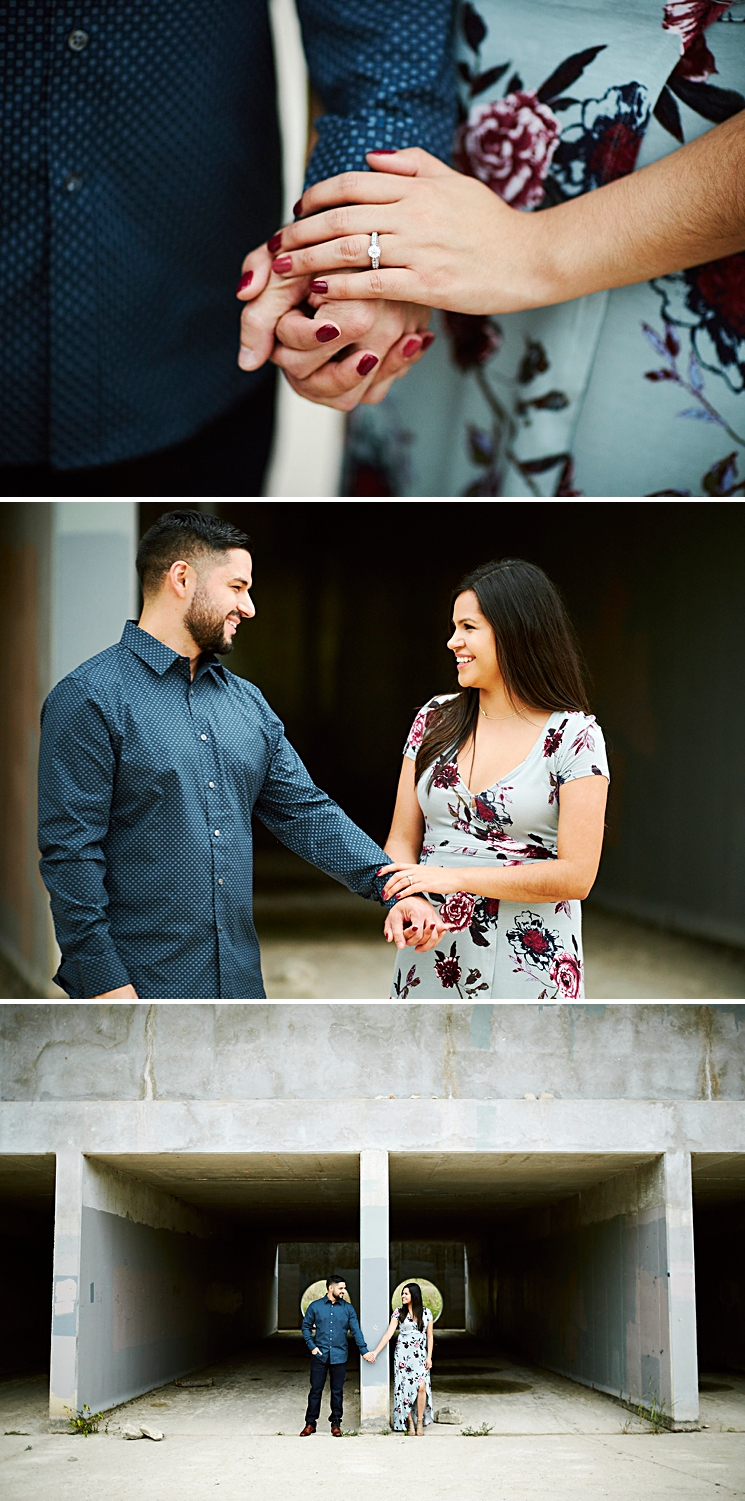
<point x="153" y="761"/>
<point x="325" y="1325"/>
<point x="139" y="163"/>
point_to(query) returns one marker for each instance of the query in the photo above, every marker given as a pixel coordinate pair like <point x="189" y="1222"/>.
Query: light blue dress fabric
<point x="637" y="391"/>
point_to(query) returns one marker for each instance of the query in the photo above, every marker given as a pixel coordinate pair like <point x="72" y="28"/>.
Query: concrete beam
<point x="588" y="1127"/>
<point x="375" y="1309"/>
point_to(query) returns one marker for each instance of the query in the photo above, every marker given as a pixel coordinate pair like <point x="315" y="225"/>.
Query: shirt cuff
<point x="101" y="972"/>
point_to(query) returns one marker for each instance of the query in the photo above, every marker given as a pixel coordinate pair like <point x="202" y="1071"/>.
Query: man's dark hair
<point x="335" y="1277"/>
<point x="191" y="535"/>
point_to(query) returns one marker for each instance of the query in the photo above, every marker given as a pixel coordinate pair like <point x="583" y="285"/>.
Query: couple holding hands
<point x="556" y="100"/>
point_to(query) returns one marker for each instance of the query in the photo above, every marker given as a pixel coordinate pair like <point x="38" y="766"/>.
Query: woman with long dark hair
<point x="412" y="1361"/>
<point x="501" y="800"/>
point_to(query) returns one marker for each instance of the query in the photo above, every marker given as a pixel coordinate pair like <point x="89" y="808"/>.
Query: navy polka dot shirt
<point x="139" y="162"/>
<point x="148" y="782"/>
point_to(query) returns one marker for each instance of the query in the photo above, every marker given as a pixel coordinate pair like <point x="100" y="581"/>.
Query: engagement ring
<point x="374" y="250"/>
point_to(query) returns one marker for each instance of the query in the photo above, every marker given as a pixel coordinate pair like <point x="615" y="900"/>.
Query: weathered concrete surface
<point x="300" y="1051"/>
<point x="668" y="1467"/>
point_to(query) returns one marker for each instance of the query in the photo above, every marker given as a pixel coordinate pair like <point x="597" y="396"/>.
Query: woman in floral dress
<point x="412" y="1361"/>
<point x="596" y="339"/>
<point x="501" y="801"/>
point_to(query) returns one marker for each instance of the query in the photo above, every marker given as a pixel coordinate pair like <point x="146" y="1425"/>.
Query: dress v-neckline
<point x="515" y="769"/>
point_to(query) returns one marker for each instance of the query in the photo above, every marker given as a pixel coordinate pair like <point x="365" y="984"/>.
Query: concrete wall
<point x="163" y="1288"/>
<point x="720" y="1286"/>
<point x="487" y="1052"/>
<point x="69" y="584"/>
<point x="583" y="1287"/>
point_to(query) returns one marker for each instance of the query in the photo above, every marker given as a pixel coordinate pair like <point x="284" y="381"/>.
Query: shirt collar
<point x="159" y="656"/>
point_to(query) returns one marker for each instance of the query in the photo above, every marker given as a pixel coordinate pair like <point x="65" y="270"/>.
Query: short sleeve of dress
<point x="416" y="733"/>
<point x="427" y="1317"/>
<point x="582" y="752"/>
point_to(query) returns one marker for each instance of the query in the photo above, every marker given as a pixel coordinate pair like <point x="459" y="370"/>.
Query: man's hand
<point x="425" y="927"/>
<point x="315" y="1351"/>
<point x="122" y="993"/>
<point x="369" y="1356"/>
<point x="336" y="356"/>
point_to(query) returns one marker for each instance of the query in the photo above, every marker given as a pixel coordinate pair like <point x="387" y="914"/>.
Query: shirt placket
<point x="214" y="807"/>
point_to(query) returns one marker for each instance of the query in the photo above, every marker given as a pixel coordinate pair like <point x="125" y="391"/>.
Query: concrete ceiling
<point x="718" y="1177"/>
<point x="286" y="1192"/>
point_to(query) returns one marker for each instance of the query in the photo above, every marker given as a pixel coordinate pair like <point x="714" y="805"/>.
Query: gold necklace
<point x="498" y="718"/>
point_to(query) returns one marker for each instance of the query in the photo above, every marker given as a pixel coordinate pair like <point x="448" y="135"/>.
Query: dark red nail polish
<point x="282" y="264"/>
<point x="319" y="286"/>
<point x="367" y="363"/>
<point x="275" y="242"/>
<point x="297" y="207"/>
<point x="328" y="332"/>
<point x="428" y="339"/>
<point x="245" y="281"/>
<point x="383" y="151"/>
<point x="412" y="347"/>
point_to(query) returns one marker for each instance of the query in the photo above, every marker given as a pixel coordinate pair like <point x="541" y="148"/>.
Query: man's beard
<point x="206" y="626"/>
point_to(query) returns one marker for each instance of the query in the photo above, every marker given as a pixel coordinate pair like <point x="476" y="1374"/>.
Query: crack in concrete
<point x="149" y="1089"/>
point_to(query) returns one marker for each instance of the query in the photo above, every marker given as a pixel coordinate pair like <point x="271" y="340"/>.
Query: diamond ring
<point x="374" y="250"/>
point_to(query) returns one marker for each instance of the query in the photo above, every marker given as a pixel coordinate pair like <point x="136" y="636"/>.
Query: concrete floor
<point x="625" y="960"/>
<point x="241" y="1436"/>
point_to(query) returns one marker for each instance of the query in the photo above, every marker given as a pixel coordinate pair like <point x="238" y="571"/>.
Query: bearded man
<point x="154" y="759"/>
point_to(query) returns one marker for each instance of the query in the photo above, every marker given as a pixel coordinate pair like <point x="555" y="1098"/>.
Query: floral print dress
<point x="511" y="951"/>
<point x="635" y="391"/>
<point x="409" y="1370"/>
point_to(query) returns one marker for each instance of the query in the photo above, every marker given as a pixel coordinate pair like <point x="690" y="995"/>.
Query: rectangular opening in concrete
<point x="26" y="1252"/>
<point x="566" y="1262"/>
<point x="719" y="1238"/>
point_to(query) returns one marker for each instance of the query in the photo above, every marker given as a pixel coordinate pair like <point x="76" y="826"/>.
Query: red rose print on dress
<point x="447" y="969"/>
<point x="566" y="973"/>
<point x="553" y="739"/>
<point x="690" y="17"/>
<point x="509" y="144"/>
<point x="445" y="774"/>
<point x="458" y="910"/>
<point x="416" y="733"/>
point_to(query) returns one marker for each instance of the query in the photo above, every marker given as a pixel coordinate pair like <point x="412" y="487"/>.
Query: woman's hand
<point x="445" y="240"/>
<point x="405" y="880"/>
<point x="371" y="1356"/>
<point x="448" y="241"/>
<point x="428" y="1363"/>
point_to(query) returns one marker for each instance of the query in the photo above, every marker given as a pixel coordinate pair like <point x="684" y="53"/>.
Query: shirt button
<point x="220" y="928"/>
<point x="77" y="40"/>
<point x="73" y="182"/>
<point x="203" y="737"/>
<point x="219" y="880"/>
<point x="217" y="833"/>
<point x="210" y="784"/>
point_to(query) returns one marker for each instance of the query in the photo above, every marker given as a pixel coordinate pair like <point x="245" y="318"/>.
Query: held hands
<point x="446" y="240"/>
<point x="371" y="1356"/>
<point x="335" y="354"/>
<point x="425" y="927"/>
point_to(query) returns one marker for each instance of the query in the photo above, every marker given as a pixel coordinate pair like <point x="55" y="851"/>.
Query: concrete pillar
<point x="683" y="1363"/>
<point x="375" y="1297"/>
<point x="94" y="585"/>
<point x="68" y="1214"/>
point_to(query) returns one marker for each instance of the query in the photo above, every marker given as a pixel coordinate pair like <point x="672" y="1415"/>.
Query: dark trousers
<point x="227" y="457"/>
<point x="319" y="1369"/>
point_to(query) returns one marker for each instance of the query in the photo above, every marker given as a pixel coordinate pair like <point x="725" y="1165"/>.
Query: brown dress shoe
<point x="336" y="1432"/>
<point x="307" y="1430"/>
